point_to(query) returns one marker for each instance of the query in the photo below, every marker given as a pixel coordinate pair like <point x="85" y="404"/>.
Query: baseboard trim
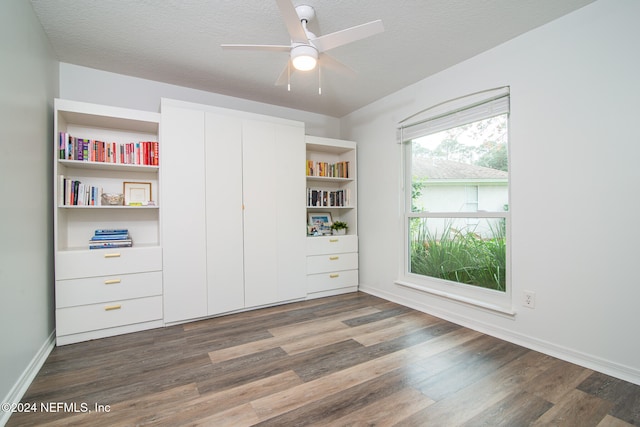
<point x="579" y="358"/>
<point x="24" y="381"/>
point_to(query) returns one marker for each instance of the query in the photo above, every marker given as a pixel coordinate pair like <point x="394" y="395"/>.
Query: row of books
<point x="328" y="198"/>
<point x="89" y="150"/>
<point x="110" y="238"/>
<point x="332" y="170"/>
<point x="75" y="193"/>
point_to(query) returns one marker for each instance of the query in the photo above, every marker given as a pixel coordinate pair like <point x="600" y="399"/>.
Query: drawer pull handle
<point x="112" y="281"/>
<point x="114" y="255"/>
<point x="113" y="307"/>
<point x="333" y="240"/>
<point x="334" y="276"/>
<point x="333" y="258"/>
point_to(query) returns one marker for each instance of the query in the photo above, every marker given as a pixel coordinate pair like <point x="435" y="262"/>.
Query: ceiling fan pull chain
<point x="289" y="76"/>
<point x="319" y="80"/>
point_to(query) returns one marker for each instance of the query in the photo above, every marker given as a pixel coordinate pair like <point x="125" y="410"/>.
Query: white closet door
<point x="291" y="212"/>
<point x="225" y="270"/>
<point x="261" y="196"/>
<point x="183" y="213"/>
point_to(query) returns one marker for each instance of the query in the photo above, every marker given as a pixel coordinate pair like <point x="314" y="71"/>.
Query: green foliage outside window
<point x="460" y="255"/>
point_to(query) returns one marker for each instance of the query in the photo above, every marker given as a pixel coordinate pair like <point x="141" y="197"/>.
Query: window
<point x="471" y="195"/>
<point x="457" y="212"/>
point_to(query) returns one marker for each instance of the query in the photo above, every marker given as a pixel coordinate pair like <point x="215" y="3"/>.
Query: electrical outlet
<point x="529" y="299"/>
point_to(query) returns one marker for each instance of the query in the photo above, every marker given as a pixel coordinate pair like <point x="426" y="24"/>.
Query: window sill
<point x="458" y="298"/>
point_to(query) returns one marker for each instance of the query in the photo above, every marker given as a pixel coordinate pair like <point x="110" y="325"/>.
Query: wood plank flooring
<point x="349" y="360"/>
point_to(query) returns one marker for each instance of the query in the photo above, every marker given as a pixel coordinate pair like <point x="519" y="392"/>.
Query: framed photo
<point x="320" y="219"/>
<point x="319" y="224"/>
<point x="137" y="193"/>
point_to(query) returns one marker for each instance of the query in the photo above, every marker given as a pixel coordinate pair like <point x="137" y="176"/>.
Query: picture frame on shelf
<point x="319" y="223"/>
<point x="137" y="193"/>
<point x="316" y="218"/>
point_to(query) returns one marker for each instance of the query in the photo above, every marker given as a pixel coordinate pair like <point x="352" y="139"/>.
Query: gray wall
<point x="102" y="87"/>
<point x="574" y="185"/>
<point x="28" y="84"/>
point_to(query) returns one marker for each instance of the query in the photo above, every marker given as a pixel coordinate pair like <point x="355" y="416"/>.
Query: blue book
<point x="106" y="231"/>
<point x="110" y="237"/>
<point x="110" y="245"/>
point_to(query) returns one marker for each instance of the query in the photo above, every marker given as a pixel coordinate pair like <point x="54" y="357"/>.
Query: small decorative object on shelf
<point x="137" y="193"/>
<point x="110" y="238"/>
<point x="339" y="227"/>
<point x="112" y="199"/>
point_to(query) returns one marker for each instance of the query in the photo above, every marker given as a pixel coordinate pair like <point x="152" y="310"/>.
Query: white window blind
<point x="456" y="112"/>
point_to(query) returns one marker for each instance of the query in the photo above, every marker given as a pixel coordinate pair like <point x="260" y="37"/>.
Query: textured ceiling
<point x="178" y="42"/>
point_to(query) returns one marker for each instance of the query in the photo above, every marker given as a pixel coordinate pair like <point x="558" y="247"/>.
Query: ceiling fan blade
<point x="269" y="47"/>
<point x="292" y="21"/>
<point x="283" y="79"/>
<point x="331" y="63"/>
<point x="339" y="38"/>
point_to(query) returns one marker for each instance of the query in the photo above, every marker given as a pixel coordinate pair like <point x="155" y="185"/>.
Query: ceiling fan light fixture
<point x="304" y="57"/>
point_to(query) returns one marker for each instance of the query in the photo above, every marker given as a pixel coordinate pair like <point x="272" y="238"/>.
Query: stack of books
<point x="110" y="238"/>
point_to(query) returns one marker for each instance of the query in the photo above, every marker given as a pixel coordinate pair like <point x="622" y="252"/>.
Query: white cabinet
<point x="243" y="244"/>
<point x="104" y="292"/>
<point x="332" y="265"/>
<point x="332" y="261"/>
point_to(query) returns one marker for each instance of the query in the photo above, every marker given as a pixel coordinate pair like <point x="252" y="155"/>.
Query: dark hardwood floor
<point x="350" y="360"/>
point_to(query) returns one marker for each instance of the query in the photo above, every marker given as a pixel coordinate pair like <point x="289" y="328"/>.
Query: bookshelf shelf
<point x="324" y="208"/>
<point x="328" y="179"/>
<point x="78" y="164"/>
<point x="107" y="207"/>
<point x="83" y="249"/>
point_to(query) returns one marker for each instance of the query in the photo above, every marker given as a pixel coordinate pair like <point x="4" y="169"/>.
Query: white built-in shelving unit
<point x="105" y="292"/>
<point x="332" y="260"/>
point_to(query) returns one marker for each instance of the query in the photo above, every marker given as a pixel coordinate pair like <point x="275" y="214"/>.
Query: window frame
<point x="498" y="302"/>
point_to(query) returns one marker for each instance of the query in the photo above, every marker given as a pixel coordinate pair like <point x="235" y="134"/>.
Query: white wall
<point x="575" y="104"/>
<point x="28" y="84"/>
<point x="454" y="198"/>
<point x="102" y="87"/>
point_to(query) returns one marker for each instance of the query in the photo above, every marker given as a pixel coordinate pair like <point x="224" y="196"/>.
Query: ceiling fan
<point x="306" y="49"/>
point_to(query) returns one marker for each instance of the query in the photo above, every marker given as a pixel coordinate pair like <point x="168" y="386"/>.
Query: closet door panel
<point x="183" y="214"/>
<point x="223" y="153"/>
<point x="291" y="212"/>
<point x="261" y="196"/>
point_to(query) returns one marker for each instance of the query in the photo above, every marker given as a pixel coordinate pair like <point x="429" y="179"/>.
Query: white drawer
<point x="93" y="290"/>
<point x="334" y="262"/>
<point x="107" y="262"/>
<point x="84" y="318"/>
<point x="328" y="281"/>
<point x="332" y="244"/>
